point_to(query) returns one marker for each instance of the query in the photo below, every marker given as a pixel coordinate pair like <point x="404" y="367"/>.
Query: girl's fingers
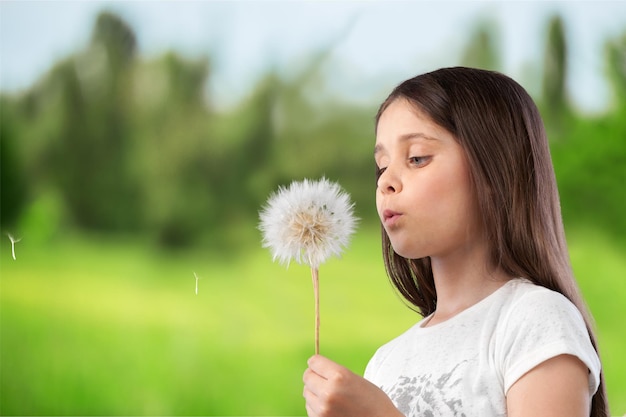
<point x="313" y="382"/>
<point x="324" y="367"/>
<point x="312" y="400"/>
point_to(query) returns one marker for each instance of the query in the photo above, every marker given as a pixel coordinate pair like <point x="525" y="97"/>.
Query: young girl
<point x="473" y="239"/>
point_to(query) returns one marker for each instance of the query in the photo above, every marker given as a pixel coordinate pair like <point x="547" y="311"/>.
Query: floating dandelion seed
<point x="308" y="221"/>
<point x="13" y="242"/>
<point x="194" y="274"/>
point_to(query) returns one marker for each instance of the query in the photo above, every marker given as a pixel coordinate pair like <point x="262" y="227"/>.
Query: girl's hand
<point x="332" y="390"/>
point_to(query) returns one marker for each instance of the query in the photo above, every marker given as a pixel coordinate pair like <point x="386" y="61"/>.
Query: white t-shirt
<point x="465" y="365"/>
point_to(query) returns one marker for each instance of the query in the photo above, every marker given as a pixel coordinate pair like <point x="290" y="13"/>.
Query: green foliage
<point x="134" y="146"/>
<point x="125" y="144"/>
<point x="616" y="70"/>
<point x="590" y="161"/>
<point x="85" y="151"/>
<point x="173" y="154"/>
<point x="12" y="180"/>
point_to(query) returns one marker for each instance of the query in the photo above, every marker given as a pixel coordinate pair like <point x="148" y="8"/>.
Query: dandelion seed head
<point x="309" y="221"/>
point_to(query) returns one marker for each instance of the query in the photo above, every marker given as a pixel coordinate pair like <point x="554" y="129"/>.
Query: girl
<point x="473" y="240"/>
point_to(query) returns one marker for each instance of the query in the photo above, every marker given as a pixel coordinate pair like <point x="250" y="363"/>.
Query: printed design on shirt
<point x="428" y="395"/>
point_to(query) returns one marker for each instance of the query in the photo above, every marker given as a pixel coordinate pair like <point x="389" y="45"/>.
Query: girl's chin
<point x="405" y="252"/>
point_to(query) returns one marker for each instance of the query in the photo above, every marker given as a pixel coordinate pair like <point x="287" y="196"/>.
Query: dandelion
<point x="308" y="222"/>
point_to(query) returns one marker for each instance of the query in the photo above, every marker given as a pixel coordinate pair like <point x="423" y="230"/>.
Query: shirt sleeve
<point x="372" y="368"/>
<point x="541" y="325"/>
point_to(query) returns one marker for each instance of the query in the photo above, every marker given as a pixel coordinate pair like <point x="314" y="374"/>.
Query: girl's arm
<point x="332" y="390"/>
<point x="558" y="387"/>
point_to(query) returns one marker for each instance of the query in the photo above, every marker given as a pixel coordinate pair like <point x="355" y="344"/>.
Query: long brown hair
<point x="501" y="131"/>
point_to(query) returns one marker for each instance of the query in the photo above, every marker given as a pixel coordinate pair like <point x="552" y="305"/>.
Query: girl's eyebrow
<point x="403" y="138"/>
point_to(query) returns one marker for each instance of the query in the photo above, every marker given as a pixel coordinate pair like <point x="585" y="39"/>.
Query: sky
<point x="374" y="45"/>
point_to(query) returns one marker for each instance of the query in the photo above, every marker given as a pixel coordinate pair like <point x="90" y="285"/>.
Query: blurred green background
<point x="124" y="174"/>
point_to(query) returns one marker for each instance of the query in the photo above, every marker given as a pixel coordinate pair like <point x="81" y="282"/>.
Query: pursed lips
<point x="390" y="217"/>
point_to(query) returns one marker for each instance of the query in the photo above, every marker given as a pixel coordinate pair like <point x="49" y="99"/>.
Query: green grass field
<point x="114" y="327"/>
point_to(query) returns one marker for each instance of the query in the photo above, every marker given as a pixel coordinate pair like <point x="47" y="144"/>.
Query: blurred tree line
<point x="110" y="142"/>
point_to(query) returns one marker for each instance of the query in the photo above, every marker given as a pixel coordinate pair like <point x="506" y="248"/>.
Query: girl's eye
<point x="379" y="172"/>
<point x="419" y="160"/>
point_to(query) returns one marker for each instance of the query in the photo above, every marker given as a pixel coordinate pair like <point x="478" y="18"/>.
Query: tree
<point x="555" y="73"/>
<point x="175" y="154"/>
<point x="12" y="180"/>
<point x="481" y="51"/>
<point x="616" y="69"/>
<point x="92" y="143"/>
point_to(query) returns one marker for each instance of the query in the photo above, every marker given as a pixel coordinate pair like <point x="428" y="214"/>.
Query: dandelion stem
<point x="316" y="294"/>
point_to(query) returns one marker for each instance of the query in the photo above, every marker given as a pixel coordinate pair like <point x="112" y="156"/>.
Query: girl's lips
<point x="390" y="217"/>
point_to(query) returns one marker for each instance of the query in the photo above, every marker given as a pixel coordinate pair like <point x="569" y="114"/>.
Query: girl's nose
<point x="388" y="182"/>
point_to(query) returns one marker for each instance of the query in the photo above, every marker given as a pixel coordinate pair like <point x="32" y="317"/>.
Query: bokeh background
<point x="140" y="139"/>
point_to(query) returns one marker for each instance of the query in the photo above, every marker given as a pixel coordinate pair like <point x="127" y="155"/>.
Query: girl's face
<point x="424" y="194"/>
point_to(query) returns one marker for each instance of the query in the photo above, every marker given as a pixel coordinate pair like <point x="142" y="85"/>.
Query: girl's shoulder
<point x="538" y="324"/>
<point x="522" y="297"/>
